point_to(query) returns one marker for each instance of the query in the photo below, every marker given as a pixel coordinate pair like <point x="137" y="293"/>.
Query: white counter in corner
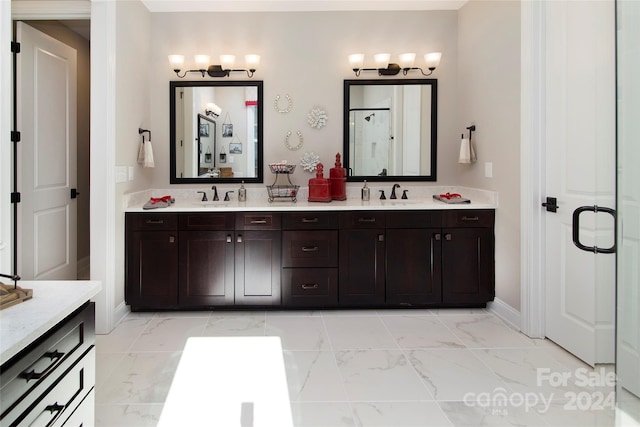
<point x="52" y="301"/>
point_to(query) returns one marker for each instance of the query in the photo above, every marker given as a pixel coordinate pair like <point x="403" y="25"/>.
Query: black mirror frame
<point x="172" y="129"/>
<point x="434" y="129"/>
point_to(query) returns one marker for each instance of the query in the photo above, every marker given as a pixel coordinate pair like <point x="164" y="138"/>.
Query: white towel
<point x="145" y="154"/>
<point x="467" y="153"/>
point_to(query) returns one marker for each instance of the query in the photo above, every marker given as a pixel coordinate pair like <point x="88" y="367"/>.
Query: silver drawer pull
<point x="366" y="220"/>
<point x="309" y="249"/>
<point x="310" y="220"/>
<point x="154" y="221"/>
<point x="229" y="238"/>
<point x="258" y="221"/>
<point x="470" y="218"/>
<point x="308" y="286"/>
<point x="54" y="355"/>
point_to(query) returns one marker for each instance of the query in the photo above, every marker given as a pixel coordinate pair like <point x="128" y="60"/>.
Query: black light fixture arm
<point x="215" y="71"/>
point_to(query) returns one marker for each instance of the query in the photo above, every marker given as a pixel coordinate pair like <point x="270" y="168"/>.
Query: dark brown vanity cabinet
<point x="413" y="258"/>
<point x="258" y="259"/>
<point x="310" y="259"/>
<point x="326" y="259"/>
<point x="207" y="259"/>
<point x="151" y="260"/>
<point x="468" y="263"/>
<point x="362" y="258"/>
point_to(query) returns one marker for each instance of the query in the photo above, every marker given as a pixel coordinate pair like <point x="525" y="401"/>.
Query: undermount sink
<point x="211" y="204"/>
<point x="398" y="202"/>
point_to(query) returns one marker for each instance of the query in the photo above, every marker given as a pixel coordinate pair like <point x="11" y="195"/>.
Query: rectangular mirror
<point x="216" y="131"/>
<point x="390" y="129"/>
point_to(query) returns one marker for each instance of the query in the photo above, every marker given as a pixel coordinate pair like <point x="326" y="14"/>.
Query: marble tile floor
<point x="390" y="368"/>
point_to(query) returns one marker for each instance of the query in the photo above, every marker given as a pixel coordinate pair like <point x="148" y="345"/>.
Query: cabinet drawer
<point x="310" y="248"/>
<point x="59" y="402"/>
<point x="362" y="219"/>
<point x="207" y="221"/>
<point x="151" y="221"/>
<point x="28" y="374"/>
<point x="414" y="219"/>
<point x="469" y="218"/>
<point x="258" y="221"/>
<point x="309" y="220"/>
<point x="306" y="287"/>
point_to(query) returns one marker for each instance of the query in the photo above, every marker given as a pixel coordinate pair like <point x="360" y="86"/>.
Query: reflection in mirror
<point x="206" y="146"/>
<point x="390" y="129"/>
<point x="223" y="145"/>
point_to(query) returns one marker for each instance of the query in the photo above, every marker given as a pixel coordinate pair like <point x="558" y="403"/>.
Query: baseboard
<point x="120" y="312"/>
<point x="505" y="312"/>
<point x="83" y="268"/>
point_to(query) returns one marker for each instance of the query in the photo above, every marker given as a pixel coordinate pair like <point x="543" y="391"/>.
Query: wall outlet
<point x="230" y="159"/>
<point x="488" y="170"/>
<point x="121" y="174"/>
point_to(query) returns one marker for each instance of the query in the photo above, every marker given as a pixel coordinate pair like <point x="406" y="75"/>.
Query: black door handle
<point x="551" y="204"/>
<point x="576" y="229"/>
<point x="74" y="193"/>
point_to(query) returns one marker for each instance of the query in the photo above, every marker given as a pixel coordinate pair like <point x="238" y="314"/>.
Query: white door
<point x="46" y="114"/>
<point x="628" y="324"/>
<point x="580" y="171"/>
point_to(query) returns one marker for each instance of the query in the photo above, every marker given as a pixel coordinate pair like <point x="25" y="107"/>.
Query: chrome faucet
<point x="393" y="191"/>
<point x="215" y="193"/>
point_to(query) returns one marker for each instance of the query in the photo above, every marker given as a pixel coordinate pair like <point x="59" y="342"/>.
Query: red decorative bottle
<point x="338" y="178"/>
<point x="319" y="190"/>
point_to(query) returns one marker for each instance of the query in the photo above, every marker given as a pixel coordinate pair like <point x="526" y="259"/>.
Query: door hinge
<point x="15" y="47"/>
<point x="15" y="136"/>
<point x="15" y="197"/>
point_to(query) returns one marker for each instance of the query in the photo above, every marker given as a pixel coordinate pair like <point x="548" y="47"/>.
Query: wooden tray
<point x="10" y="296"/>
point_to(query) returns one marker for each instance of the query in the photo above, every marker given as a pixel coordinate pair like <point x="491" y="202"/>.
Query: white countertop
<point x="52" y="301"/>
<point x="229" y="381"/>
<point x="420" y="198"/>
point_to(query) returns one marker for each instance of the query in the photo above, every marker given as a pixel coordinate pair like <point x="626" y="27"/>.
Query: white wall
<point x="489" y="97"/>
<point x="133" y="41"/>
<point x="304" y="54"/>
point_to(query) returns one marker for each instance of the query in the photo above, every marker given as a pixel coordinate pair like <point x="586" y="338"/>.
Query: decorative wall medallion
<point x="293" y="147"/>
<point x="289" y="104"/>
<point x="309" y="161"/>
<point x="317" y="118"/>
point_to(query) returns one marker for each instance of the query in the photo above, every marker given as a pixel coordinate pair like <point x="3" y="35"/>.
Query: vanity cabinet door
<point x="413" y="266"/>
<point x="151" y="269"/>
<point x="206" y="268"/>
<point x="258" y="259"/>
<point x="468" y="265"/>
<point x="361" y="266"/>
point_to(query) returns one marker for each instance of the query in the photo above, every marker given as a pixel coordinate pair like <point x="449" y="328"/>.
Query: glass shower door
<point x="628" y="208"/>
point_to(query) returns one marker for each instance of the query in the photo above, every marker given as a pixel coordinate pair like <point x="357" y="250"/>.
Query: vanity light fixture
<point x="213" y="109"/>
<point x="223" y="70"/>
<point x="386" y="68"/>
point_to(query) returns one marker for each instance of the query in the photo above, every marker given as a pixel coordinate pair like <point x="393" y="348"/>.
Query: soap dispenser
<point x="366" y="193"/>
<point x="242" y="193"/>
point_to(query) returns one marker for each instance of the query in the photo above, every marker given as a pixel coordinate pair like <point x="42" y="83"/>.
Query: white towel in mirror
<point x="467" y="153"/>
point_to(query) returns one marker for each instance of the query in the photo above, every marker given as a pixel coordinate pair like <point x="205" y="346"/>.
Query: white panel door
<point x="580" y="171"/>
<point x="46" y="113"/>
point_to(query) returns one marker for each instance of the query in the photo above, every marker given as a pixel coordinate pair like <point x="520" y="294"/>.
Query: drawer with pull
<point x="28" y="374"/>
<point x="151" y="221"/>
<point x="258" y="221"/>
<point x="469" y="218"/>
<point x="309" y="221"/>
<point x="309" y="287"/>
<point x="310" y="248"/>
<point x="362" y="219"/>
